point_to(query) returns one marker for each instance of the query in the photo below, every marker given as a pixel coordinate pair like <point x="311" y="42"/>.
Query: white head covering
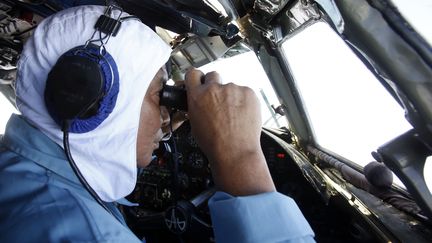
<point x="105" y="156"/>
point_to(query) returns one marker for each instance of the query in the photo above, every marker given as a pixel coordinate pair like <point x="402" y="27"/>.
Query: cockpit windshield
<point x="350" y="112"/>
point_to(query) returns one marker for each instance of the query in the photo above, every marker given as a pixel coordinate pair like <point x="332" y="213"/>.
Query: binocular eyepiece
<point x="173" y="97"/>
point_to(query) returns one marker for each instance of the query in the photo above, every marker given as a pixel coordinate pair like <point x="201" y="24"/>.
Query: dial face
<point x="196" y="160"/>
<point x="183" y="180"/>
<point x="149" y="193"/>
<point x="191" y="140"/>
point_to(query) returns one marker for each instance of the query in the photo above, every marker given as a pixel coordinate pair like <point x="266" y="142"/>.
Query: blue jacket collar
<point x="29" y="142"/>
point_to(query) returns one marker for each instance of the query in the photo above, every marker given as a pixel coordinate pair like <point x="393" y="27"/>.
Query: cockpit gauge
<point x="196" y="160"/>
<point x="183" y="181"/>
<point x="191" y="140"/>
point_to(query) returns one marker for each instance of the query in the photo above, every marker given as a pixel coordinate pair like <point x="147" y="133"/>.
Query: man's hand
<point x="226" y="122"/>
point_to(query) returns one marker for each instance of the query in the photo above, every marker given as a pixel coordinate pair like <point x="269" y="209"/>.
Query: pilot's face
<point x="152" y="119"/>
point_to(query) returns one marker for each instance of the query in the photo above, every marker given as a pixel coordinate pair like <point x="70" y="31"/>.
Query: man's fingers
<point x="193" y="78"/>
<point x="213" y="77"/>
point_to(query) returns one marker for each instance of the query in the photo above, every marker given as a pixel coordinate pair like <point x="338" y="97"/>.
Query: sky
<point x="6" y="109"/>
<point x="350" y="111"/>
<point x="419" y="15"/>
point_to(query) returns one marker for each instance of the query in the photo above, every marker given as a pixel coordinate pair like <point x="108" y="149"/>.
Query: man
<point x="41" y="200"/>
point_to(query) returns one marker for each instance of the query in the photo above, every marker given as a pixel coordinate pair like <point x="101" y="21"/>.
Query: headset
<point x="82" y="87"/>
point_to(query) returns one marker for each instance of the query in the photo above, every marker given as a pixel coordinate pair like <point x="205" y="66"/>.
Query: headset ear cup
<point x="73" y="85"/>
<point x="82" y="87"/>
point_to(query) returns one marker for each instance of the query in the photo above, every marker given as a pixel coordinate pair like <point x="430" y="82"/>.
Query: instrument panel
<point x="159" y="186"/>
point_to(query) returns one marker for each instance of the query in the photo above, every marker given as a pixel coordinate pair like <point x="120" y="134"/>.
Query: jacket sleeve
<point x="266" y="217"/>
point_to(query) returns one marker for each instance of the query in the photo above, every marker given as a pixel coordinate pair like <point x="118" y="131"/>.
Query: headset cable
<point x="77" y="172"/>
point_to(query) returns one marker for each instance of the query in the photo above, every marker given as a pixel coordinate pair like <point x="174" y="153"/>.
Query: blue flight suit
<point x="41" y="200"/>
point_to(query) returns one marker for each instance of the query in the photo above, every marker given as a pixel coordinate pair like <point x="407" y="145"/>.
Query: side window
<point x="245" y="70"/>
<point x="6" y="109"/>
<point x="350" y="112"/>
